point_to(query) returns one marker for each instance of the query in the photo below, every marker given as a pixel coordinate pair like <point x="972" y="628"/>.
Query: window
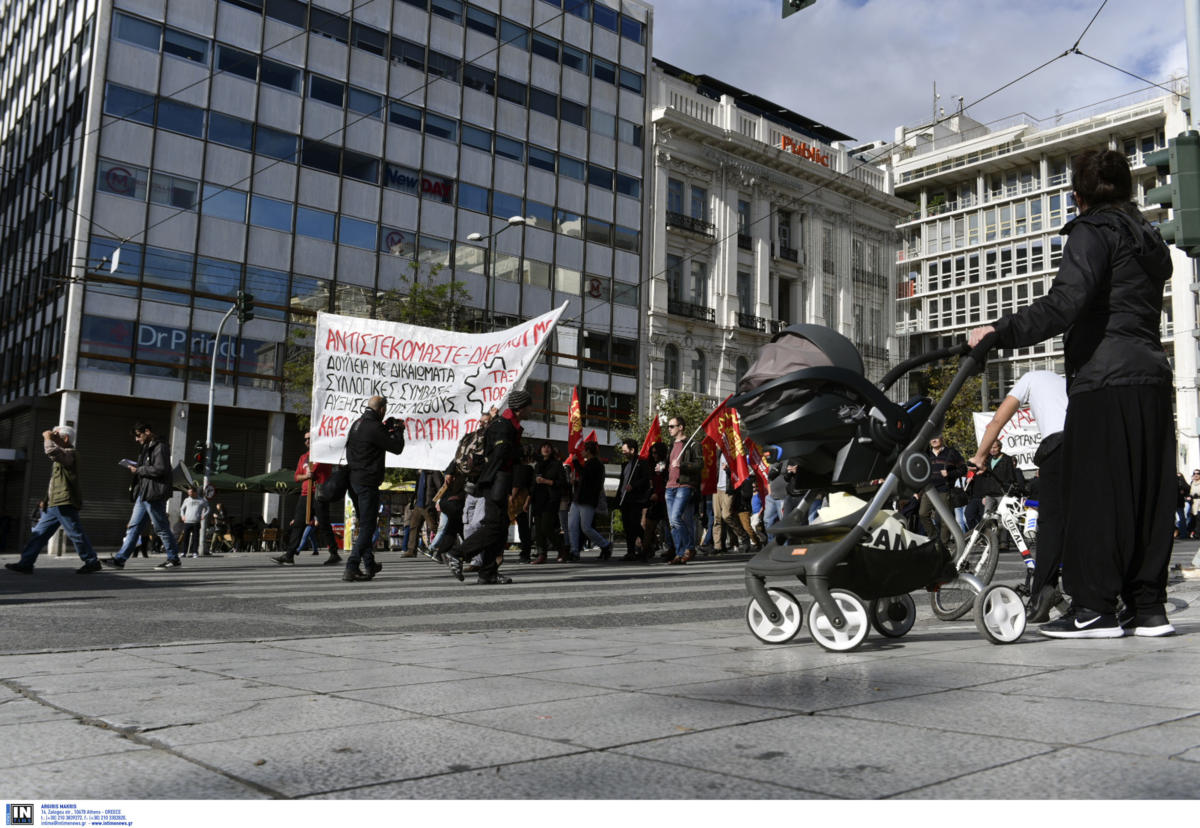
<point x="574" y="59"/>
<point x="513" y="34"/>
<point x="624" y="294"/>
<point x="230" y="131"/>
<point x="674" y="195"/>
<point x="629" y="132"/>
<point x="268" y="212"/>
<point x="539" y="215"/>
<point x="276" y="144"/>
<point x="481" y="21"/>
<point x="598" y="231"/>
<point x="329" y="25"/>
<point x="699" y="203"/>
<point x="740" y="366"/>
<point x="633" y="81"/>
<point x="571" y="168"/>
<point x="440" y="127"/>
<point x="174" y="191"/>
<point x="628" y="185"/>
<point x="321" y="156"/>
<point x="511" y="90"/>
<point x="536" y="273"/>
<point x="405" y="116"/>
<point x="600" y="177"/>
<point x="478" y="138"/>
<point x="471" y="197"/>
<point x="221" y="202"/>
<point x="604" y="124"/>
<point x="632" y="29"/>
<point x="566" y="280"/>
<point x="603" y="70"/>
<point x="357" y="233"/>
<point x="366" y="103"/>
<point x="325" y="90"/>
<point x="269" y="287"/>
<point x="505" y="205"/>
<point x="289" y="11"/>
<point x="280" y="75"/>
<point x="482" y="80"/>
<point x="179" y="117"/>
<point x="444" y="66"/>
<point x="541" y="158"/>
<point x="128" y="103"/>
<point x="121" y="179"/>
<point x="237" y="63"/>
<point x="217" y="278"/>
<point x="184" y="45"/>
<point x="449" y="9"/>
<point x="573" y="113"/>
<point x="699" y="283"/>
<point x="604" y="16"/>
<point x="508" y="148"/>
<point x="316" y="224"/>
<point x="671" y="367"/>
<point x="699" y="372"/>
<point x="362" y="167"/>
<point x="168" y="268"/>
<point x="626" y="238"/>
<point x="370" y="40"/>
<point x="408" y="53"/>
<point x="543" y="102"/>
<point x="579" y="8"/>
<point x="137" y="31"/>
<point x="569" y="224"/>
<point x="674" y="277"/>
<point x="547" y="47"/>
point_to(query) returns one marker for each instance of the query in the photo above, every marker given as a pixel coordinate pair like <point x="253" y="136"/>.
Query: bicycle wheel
<point x="952" y="601"/>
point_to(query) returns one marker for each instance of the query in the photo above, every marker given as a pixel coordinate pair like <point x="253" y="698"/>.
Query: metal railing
<point x="745" y="241"/>
<point x="789" y="253"/>
<point x="691" y="224"/>
<point x="690" y="309"/>
<point x="751" y="322"/>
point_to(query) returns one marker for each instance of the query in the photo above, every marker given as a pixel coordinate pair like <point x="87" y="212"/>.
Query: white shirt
<point x="1045" y="392"/>
<point x="193" y="509"/>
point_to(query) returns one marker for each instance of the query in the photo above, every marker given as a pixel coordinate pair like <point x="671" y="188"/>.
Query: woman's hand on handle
<point x="977" y="334"/>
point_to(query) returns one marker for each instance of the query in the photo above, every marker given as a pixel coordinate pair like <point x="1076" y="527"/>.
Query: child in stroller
<point x="806" y="397"/>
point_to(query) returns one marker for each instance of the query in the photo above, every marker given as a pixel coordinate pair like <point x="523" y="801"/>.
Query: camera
<point x="392" y="423"/>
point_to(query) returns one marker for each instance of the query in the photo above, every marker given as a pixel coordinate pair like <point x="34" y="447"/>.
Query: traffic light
<point x="199" y="457"/>
<point x="220" y="459"/>
<point x="1180" y="164"/>
<point x="245" y="306"/>
<point x="793" y="6"/>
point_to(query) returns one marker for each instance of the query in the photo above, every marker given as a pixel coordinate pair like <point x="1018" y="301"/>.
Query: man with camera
<point x="370" y="439"/>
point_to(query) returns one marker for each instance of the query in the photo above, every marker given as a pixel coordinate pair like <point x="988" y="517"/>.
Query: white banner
<point x="1020" y="436"/>
<point x="438" y="382"/>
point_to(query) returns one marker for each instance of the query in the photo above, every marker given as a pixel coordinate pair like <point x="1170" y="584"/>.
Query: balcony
<point x="745" y="241"/>
<point x="751" y="322"/>
<point x="704" y="314"/>
<point x="693" y="225"/>
<point x="774" y="326"/>
<point x="789" y="253"/>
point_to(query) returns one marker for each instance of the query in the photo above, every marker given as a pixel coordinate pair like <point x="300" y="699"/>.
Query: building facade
<point x="982" y="239"/>
<point x="162" y="155"/>
<point x="761" y="218"/>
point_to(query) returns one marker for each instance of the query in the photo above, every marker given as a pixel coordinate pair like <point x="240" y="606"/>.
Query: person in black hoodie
<point x="633" y="497"/>
<point x="547" y="492"/>
<point x="1119" y="434"/>
<point x="368" y="443"/>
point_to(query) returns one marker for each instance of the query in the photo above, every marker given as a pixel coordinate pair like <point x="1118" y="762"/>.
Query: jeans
<point x="47" y="525"/>
<point x="156" y="510"/>
<point x="772" y="511"/>
<point x="366" y="512"/>
<point x="580" y="520"/>
<point x="681" y="516"/>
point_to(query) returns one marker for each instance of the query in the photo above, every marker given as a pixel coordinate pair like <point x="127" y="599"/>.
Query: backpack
<point x="471" y="455"/>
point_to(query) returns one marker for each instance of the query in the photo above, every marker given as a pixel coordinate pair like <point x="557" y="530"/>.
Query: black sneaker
<point x="334" y="558"/>
<point x="493" y="579"/>
<point x="26" y="569"/>
<point x="285" y="559"/>
<point x="170" y="563"/>
<point x="90" y="566"/>
<point x="456" y="566"/>
<point x="1126" y="616"/>
<point x="114" y="563"/>
<point x="1152" y="625"/>
<point x="354" y="574"/>
<point x="375" y="568"/>
<point x="1083" y="623"/>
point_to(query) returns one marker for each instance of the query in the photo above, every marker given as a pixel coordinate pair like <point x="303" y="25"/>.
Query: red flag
<point x="758" y="465"/>
<point x="712" y="461"/>
<point x="652" y="437"/>
<point x="725" y="429"/>
<point x="574" y="425"/>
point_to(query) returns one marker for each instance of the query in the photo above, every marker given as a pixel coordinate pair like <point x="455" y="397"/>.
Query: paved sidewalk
<point x="695" y="711"/>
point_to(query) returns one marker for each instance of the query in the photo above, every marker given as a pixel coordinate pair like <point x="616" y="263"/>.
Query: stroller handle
<point x="903" y="368"/>
<point x="970" y="364"/>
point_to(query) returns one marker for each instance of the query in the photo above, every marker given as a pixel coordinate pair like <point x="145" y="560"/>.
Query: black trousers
<point x="489" y="538"/>
<point x="525" y="533"/>
<point x="1118" y="459"/>
<point x="452" y="514"/>
<point x="546" y="529"/>
<point x="1050" y="520"/>
<point x="189" y="541"/>
<point x="366" y="513"/>
<point x="325" y="534"/>
<point x="631" y="520"/>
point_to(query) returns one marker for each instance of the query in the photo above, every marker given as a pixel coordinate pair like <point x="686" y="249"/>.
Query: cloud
<point x="867" y="67"/>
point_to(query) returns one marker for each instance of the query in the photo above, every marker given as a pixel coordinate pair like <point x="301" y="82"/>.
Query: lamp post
<point x="514" y="221"/>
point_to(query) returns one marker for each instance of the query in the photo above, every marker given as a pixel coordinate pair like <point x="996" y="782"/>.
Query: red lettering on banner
<point x="432" y="428"/>
<point x="333" y="426"/>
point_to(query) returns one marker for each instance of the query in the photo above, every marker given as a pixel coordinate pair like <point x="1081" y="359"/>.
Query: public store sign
<point x="438" y="382"/>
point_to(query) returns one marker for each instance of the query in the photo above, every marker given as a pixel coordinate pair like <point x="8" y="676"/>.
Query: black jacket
<point x="951" y="461"/>
<point x="1107" y="298"/>
<point x="153" y="472"/>
<point x="635" y="474"/>
<point x="997" y="480"/>
<point x="546" y="497"/>
<point x="589" y="483"/>
<point x="367" y="446"/>
<point x="502" y="448"/>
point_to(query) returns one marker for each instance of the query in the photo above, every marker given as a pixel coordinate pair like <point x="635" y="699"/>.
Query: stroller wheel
<point x="858" y="623"/>
<point x="768" y="632"/>
<point x="893" y="617"/>
<point x="1000" y="614"/>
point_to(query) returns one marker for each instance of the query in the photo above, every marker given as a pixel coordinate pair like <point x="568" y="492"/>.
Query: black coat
<point x="502" y="449"/>
<point x="635" y="474"/>
<point x="1107" y="298"/>
<point x="589" y="483"/>
<point x="367" y="446"/>
<point x="153" y="472"/>
<point x="951" y="461"/>
<point x="994" y="482"/>
<point x="546" y="497"/>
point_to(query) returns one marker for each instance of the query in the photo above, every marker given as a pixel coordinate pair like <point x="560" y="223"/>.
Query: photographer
<point x="370" y="439"/>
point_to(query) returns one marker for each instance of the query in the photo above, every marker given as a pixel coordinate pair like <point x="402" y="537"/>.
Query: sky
<point x="865" y="67"/>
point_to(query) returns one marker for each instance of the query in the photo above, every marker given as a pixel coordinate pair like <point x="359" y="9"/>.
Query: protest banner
<point x="438" y="382"/>
<point x="1020" y="436"/>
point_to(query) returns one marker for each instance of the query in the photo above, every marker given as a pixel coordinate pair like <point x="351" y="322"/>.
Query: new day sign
<point x="438" y="382"/>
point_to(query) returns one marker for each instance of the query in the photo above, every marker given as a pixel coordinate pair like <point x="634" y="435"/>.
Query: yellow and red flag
<point x="724" y="428"/>
<point x="574" y="425"/>
<point x="711" y="454"/>
<point x="652" y="437"/>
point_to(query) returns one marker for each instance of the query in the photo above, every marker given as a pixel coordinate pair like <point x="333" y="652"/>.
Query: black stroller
<point x="807" y="399"/>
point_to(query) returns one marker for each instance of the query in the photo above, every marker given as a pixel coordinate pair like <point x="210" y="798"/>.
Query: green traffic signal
<point x="245" y="306"/>
<point x="220" y="458"/>
<point x="1179" y="163"/>
<point x="793" y="6"/>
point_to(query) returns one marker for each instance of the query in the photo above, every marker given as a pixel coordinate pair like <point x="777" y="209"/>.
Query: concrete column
<point x="760" y="232"/>
<point x="68" y="408"/>
<point x="275" y="423"/>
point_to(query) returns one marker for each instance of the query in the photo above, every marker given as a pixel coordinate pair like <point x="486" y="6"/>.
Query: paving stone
<point x="1175" y="739"/>
<point x="796" y="692"/>
<point x="33" y="743"/>
<point x="18" y="710"/>
<point x="1112" y="683"/>
<point x="465" y="695"/>
<point x="635" y="676"/>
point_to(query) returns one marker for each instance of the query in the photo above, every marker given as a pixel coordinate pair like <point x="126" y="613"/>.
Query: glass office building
<point x="162" y="155"/>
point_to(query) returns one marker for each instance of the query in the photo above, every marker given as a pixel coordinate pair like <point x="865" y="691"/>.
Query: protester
<point x="683" y="479"/>
<point x="193" y="510"/>
<point x="151" y="486"/>
<point x="547" y="492"/>
<point x="589" y="489"/>
<point x="633" y="495"/>
<point x="370" y="439"/>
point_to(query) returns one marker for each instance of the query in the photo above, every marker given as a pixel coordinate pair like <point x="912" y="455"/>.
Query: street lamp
<point x="513" y="221"/>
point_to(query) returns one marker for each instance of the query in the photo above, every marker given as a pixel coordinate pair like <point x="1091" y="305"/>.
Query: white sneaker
<point x="1190" y="573"/>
